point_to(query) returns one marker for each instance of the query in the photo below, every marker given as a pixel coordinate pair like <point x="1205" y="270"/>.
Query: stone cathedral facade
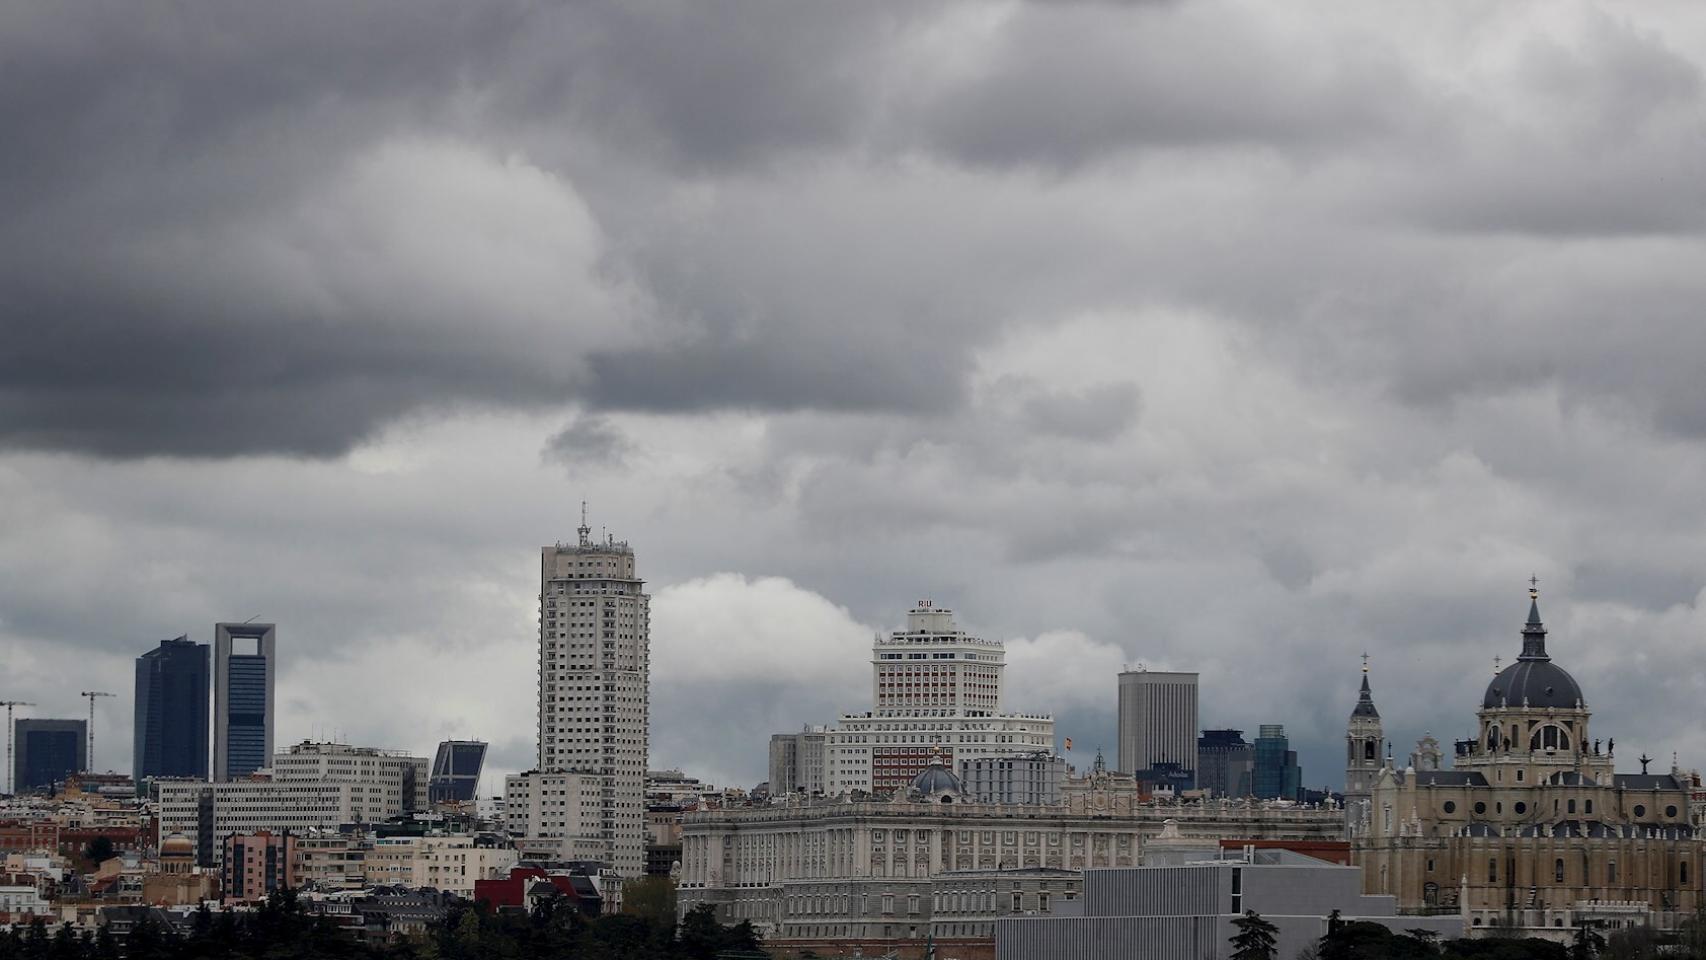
<point x="1533" y="827"/>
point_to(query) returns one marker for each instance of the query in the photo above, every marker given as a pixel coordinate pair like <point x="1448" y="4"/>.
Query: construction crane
<point x="11" y="787"/>
<point x="92" y="695"/>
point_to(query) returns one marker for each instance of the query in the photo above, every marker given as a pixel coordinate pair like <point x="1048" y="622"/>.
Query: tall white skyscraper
<point x="587" y="797"/>
<point x="1158" y="720"/>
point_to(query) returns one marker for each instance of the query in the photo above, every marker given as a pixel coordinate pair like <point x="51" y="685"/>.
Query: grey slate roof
<point x="1645" y="781"/>
<point x="1533" y="680"/>
<point x="1365" y="702"/>
<point x="1450" y="778"/>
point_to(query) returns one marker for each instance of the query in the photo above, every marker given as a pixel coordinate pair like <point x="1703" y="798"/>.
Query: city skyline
<point x="1325" y="775"/>
<point x="1217" y="336"/>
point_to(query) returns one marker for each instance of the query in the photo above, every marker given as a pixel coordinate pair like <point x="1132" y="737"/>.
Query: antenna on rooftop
<point x="584" y="530"/>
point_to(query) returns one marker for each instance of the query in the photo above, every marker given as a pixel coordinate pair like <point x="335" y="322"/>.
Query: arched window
<point x="1558" y="870"/>
<point x="1570" y="805"/>
<point x="1611" y="872"/>
<point x="1492" y="738"/>
<point x="1588" y="805"/>
<point x="1549" y="737"/>
<point x="1368" y="750"/>
<point x="1492" y="869"/>
<point x="1682" y="872"/>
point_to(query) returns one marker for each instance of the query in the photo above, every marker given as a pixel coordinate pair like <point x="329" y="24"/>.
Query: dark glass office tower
<point x="456" y="771"/>
<point x="171" y="711"/>
<point x="48" y="751"/>
<point x="245" y="672"/>
<point x="1276" y="774"/>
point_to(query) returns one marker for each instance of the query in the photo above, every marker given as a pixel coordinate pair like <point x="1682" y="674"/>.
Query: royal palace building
<point x="1533" y="828"/>
<point x="854" y="870"/>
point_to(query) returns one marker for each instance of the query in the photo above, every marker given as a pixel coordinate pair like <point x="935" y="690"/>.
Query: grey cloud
<point x="786" y="370"/>
<point x="1098" y="412"/>
<point x="589" y="440"/>
<point x="1066" y="85"/>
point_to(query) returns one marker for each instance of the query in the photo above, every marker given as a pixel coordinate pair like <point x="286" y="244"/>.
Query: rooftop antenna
<point x="584" y="530"/>
<point x="11" y="787"/>
<point x="93" y="695"/>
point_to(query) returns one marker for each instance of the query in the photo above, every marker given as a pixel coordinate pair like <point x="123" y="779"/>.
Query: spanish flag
<point x="1069" y="743"/>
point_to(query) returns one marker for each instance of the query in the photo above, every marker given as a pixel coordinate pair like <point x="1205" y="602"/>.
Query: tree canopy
<point x="283" y="929"/>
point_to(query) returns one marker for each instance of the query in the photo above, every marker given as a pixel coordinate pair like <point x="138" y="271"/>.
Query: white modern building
<point x="797" y="761"/>
<point x="551" y="816"/>
<point x="1157" y="720"/>
<point x="402" y="778"/>
<point x="586" y="796"/>
<point x="207" y="813"/>
<point x="1030" y="779"/>
<point x="934" y="689"/>
<point x="313" y="785"/>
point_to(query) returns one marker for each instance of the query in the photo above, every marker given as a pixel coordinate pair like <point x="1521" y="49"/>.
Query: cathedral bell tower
<point x="1365" y="749"/>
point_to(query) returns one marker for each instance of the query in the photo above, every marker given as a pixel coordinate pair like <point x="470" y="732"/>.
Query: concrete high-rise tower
<point x="1157" y="720"/>
<point x="1365" y="750"/>
<point x="594" y="668"/>
<point x="245" y="672"/>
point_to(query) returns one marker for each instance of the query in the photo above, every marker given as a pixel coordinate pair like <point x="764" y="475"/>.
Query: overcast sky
<point x="1236" y="337"/>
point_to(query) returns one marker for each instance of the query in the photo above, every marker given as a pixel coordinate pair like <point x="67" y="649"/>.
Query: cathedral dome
<point x="936" y="783"/>
<point x="1541" y="684"/>
<point x="1533" y="680"/>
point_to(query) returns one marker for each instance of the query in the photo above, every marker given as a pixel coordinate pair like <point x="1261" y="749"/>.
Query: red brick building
<point x="25" y="836"/>
<point x="256" y="864"/>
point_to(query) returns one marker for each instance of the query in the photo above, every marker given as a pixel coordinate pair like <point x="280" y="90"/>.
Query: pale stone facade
<point x="1365" y="755"/>
<point x="746" y="860"/>
<point x="1533" y="828"/>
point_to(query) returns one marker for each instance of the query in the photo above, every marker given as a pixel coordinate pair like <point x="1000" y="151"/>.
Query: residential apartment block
<point x="586" y="797"/>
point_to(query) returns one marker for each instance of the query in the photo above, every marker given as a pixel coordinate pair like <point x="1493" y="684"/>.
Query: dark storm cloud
<point x="166" y="293"/>
<point x="786" y="207"/>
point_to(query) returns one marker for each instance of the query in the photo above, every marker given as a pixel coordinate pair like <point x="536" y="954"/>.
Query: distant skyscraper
<point x="47" y="752"/>
<point x="245" y="671"/>
<point x="1224" y="760"/>
<point x="170" y="733"/>
<point x="796" y="761"/>
<point x="1158" y="720"/>
<point x="1276" y="775"/>
<point x="456" y="771"/>
<point x="594" y="665"/>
